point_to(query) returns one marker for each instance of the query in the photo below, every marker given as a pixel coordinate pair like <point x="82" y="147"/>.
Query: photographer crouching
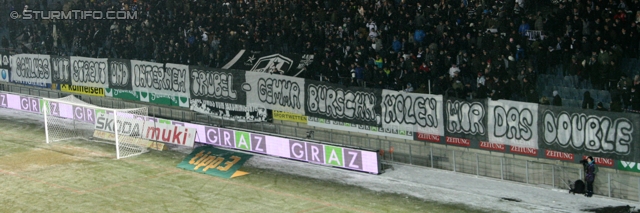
<point x="590" y="171"/>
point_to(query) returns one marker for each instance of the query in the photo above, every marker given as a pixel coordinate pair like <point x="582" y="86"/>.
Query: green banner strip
<point x="628" y="166"/>
<point x="215" y="162"/>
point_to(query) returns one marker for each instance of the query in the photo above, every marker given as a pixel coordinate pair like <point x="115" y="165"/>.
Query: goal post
<point x="70" y="118"/>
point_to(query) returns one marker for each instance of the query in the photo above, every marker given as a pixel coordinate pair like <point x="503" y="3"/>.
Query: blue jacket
<point x="523" y="29"/>
<point x="397" y="46"/>
<point x="360" y="73"/>
<point x="591" y="175"/>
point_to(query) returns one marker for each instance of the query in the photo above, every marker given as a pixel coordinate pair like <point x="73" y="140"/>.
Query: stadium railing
<point x="530" y="170"/>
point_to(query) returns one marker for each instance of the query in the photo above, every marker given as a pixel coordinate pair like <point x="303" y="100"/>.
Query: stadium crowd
<point x="465" y="48"/>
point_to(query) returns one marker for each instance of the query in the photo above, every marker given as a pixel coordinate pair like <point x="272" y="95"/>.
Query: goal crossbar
<point x="71" y="118"/>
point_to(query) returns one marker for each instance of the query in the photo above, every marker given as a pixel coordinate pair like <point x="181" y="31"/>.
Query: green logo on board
<point x="333" y="155"/>
<point x="243" y="140"/>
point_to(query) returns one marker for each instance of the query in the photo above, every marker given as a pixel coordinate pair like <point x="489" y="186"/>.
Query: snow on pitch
<point x="427" y="183"/>
<point x="447" y="187"/>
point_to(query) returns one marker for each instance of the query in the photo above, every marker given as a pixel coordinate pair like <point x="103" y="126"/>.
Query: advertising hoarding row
<point x="181" y="133"/>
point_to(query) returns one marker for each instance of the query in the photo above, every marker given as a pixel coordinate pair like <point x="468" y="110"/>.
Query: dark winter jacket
<point x="557" y="101"/>
<point x="591" y="175"/>
<point x="587" y="101"/>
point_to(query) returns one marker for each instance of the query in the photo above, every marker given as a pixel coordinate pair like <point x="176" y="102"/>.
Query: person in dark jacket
<point x="600" y="107"/>
<point x="590" y="176"/>
<point x="557" y="101"/>
<point x="587" y="101"/>
<point x="532" y="95"/>
<point x="635" y="97"/>
<point x="481" y="91"/>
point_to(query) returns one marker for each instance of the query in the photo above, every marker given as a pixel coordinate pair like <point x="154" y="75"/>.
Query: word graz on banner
<point x="119" y="74"/>
<point x="212" y="85"/>
<point x="275" y="92"/>
<point x="465" y="117"/>
<point x="412" y="112"/>
<point x="31" y="69"/>
<point x="60" y="70"/>
<point x="596" y="134"/>
<point x="513" y="123"/>
<point x="90" y="72"/>
<point x="346" y="105"/>
<point x="154" y="77"/>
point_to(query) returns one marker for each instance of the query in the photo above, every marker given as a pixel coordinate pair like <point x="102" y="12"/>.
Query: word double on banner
<point x="266" y="82"/>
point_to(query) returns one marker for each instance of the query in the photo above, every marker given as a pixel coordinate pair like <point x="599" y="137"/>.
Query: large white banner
<point x="156" y="78"/>
<point x="420" y="113"/>
<point x="228" y="111"/>
<point x="89" y="72"/>
<point x="31" y="69"/>
<point x="513" y="123"/>
<point x="276" y="92"/>
<point x="342" y="126"/>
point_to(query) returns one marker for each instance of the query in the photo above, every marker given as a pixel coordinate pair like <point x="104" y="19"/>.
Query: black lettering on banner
<point x="465" y="117"/>
<point x="84" y="89"/>
<point x="89" y="71"/>
<point x="398" y="108"/>
<point x="119" y="74"/>
<point x="280" y="92"/>
<point x="513" y="123"/>
<point x="217" y="85"/>
<point x="229" y="111"/>
<point x="60" y="68"/>
<point x="592" y="133"/>
<point x="337" y="103"/>
<point x="157" y="77"/>
<point x="32" y="68"/>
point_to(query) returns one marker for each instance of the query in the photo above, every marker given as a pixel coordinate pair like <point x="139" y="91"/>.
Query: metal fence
<point x="535" y="171"/>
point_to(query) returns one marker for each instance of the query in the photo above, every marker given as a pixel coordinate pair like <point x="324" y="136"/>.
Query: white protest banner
<point x="89" y="72"/>
<point x="412" y="112"/>
<point x="149" y="77"/>
<point x="348" y="127"/>
<point x="276" y="92"/>
<point x="31" y="69"/>
<point x="513" y="123"/>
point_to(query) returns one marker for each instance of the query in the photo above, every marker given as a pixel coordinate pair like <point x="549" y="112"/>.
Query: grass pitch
<point x="83" y="176"/>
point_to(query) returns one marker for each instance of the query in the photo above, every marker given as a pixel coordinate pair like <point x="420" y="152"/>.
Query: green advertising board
<point x="148" y="97"/>
<point x="164" y="99"/>
<point x="628" y="166"/>
<point x="216" y="162"/>
<point x="122" y="94"/>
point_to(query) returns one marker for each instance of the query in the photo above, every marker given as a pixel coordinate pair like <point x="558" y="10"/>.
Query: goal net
<point x="71" y="118"/>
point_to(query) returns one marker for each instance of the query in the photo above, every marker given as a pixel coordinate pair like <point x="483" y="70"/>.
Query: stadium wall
<point x="472" y="136"/>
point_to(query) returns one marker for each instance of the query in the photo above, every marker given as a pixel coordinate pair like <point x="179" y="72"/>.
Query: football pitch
<point x="84" y="176"/>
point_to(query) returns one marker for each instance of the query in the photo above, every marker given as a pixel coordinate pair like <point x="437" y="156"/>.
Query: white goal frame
<point x="130" y="144"/>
